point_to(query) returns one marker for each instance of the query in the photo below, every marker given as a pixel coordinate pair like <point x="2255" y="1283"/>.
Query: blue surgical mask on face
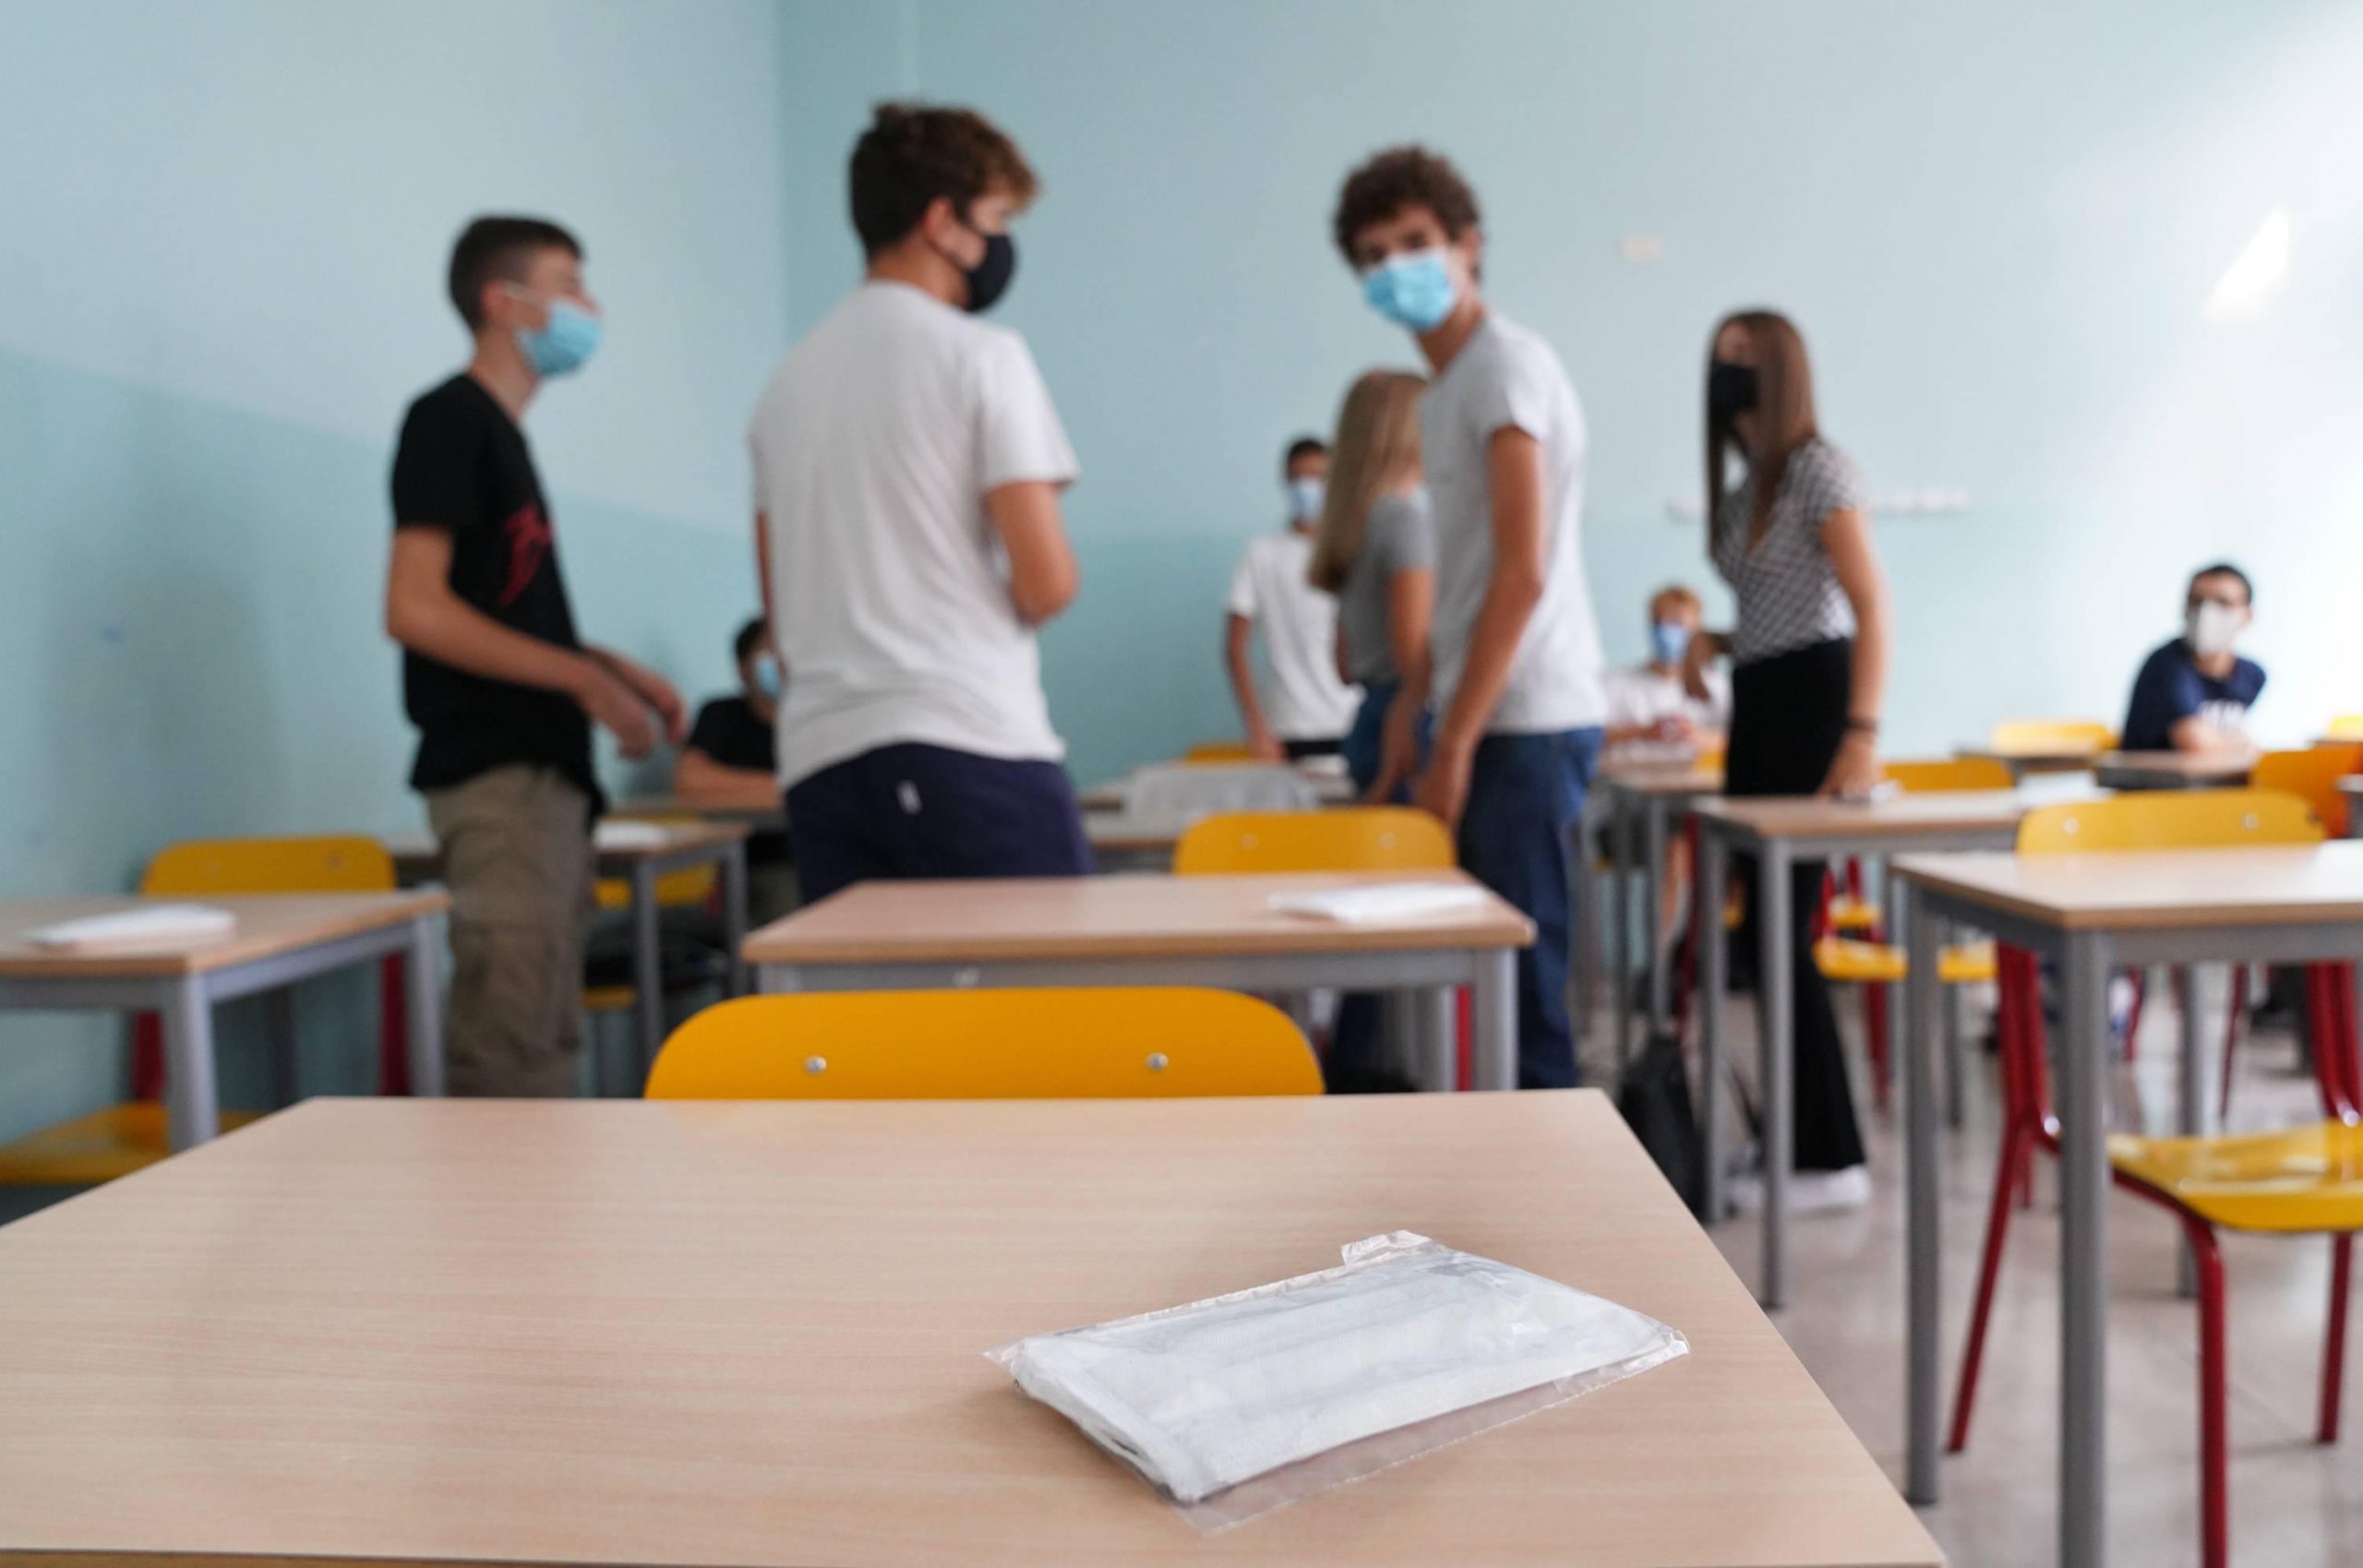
<point x="1414" y="290"/>
<point x="1668" y="641"/>
<point x="1305" y="498"/>
<point x="562" y="344"/>
<point x="767" y="675"/>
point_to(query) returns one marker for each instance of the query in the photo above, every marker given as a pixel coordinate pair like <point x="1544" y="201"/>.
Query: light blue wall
<point x="223" y="229"/>
<point x="1996" y="223"/>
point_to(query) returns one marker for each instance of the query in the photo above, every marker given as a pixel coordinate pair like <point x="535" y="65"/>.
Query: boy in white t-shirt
<point x="908" y="466"/>
<point x="1308" y="708"/>
<point x="1516" y="655"/>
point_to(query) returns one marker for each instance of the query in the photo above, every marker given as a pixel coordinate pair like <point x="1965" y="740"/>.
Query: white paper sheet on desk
<point x="148" y="926"/>
<point x="1202" y="1397"/>
<point x="1375" y="903"/>
<point x="622" y="832"/>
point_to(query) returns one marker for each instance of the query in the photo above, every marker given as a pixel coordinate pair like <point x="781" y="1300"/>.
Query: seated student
<point x="1375" y="550"/>
<point x="2194" y="693"/>
<point x="908" y="466"/>
<point x="503" y="693"/>
<point x="1650" y="704"/>
<point x="730" y="757"/>
<point x="1308" y="706"/>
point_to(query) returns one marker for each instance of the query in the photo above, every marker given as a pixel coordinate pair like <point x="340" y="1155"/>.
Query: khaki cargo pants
<point x="516" y="852"/>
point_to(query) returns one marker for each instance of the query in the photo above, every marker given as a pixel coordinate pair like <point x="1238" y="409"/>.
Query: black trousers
<point x="1788" y="718"/>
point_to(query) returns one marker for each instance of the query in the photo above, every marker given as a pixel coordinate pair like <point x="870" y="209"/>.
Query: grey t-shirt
<point x="1397" y="537"/>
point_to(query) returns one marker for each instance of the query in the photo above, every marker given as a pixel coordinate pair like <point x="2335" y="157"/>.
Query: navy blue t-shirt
<point x="2171" y="687"/>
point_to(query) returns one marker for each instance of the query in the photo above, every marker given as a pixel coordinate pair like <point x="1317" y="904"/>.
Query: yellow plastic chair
<point x="2312" y="776"/>
<point x="1849" y="913"/>
<point x="117" y="1140"/>
<point x="1152" y="1042"/>
<point x="1220" y="751"/>
<point x="2346" y="726"/>
<point x="2305" y="1179"/>
<point x="2051" y="735"/>
<point x="1354" y="838"/>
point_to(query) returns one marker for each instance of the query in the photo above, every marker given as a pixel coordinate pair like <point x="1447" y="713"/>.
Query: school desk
<point x="2089" y="915"/>
<point x="280" y="939"/>
<point x="2025" y="759"/>
<point x="2353" y="789"/>
<point x="750" y="1334"/>
<point x="762" y="812"/>
<point x="1642" y="804"/>
<point x="1780" y="830"/>
<point x="637" y="864"/>
<point x="1330" y="787"/>
<point x="1123" y="842"/>
<point x="2173" y="770"/>
<point x="1163" y="931"/>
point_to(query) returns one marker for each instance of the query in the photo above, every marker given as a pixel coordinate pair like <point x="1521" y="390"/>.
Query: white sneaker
<point x="1810" y="1192"/>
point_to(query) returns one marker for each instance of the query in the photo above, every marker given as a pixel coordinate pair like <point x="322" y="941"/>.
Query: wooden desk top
<point x="1810" y="817"/>
<point x="2185" y="768"/>
<point x="2155" y="890"/>
<point x="763" y="813"/>
<point x="1330" y="787"/>
<point x="999" y="918"/>
<point x="2034" y="760"/>
<point x="268" y="924"/>
<point x="416" y="855"/>
<point x="1660" y="776"/>
<point x="741" y="1335"/>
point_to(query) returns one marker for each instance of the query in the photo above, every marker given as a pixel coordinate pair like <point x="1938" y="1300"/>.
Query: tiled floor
<point x="2295" y="1504"/>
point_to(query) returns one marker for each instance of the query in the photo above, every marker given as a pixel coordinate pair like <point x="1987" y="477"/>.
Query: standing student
<point x="732" y="757"/>
<point x="502" y="691"/>
<point x="1651" y="702"/>
<point x="1375" y="550"/>
<point x="1809" y="659"/>
<point x="908" y="466"/>
<point x="1307" y="708"/>
<point x="1517" y="672"/>
<point x="2194" y="693"/>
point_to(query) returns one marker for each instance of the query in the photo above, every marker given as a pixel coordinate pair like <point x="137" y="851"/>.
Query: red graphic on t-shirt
<point x="529" y="536"/>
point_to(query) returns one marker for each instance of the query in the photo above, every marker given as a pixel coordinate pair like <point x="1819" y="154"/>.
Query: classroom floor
<point x="2295" y="1504"/>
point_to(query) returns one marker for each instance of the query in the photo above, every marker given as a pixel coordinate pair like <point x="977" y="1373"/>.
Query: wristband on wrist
<point x="1862" y="726"/>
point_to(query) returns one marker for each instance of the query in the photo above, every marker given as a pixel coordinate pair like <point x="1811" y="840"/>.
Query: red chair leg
<point x="2133" y="1013"/>
<point x="2234" y="1016"/>
<point x="2018" y="1145"/>
<point x="2021" y="1032"/>
<point x="1875" y="1032"/>
<point x="2342" y="1268"/>
<point x="393" y="1028"/>
<point x="147" y="1057"/>
<point x="2215" y="1478"/>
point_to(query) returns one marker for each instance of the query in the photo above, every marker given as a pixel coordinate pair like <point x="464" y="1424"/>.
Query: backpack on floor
<point x="1654" y="1098"/>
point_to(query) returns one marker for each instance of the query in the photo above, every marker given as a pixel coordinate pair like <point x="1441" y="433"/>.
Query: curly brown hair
<point x="1399" y="177"/>
<point x="913" y="153"/>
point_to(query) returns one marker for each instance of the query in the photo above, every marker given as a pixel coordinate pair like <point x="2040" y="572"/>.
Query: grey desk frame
<point x="1718" y="839"/>
<point x="641" y="869"/>
<point x="185" y="1002"/>
<point x="2086" y="957"/>
<point x="1641" y="823"/>
<point x="1430" y="972"/>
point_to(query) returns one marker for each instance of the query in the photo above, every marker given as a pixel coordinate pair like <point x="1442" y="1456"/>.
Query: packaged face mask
<point x="1203" y="1399"/>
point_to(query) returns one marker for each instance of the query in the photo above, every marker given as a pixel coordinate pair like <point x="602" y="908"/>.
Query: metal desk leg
<point x="286" y="1068"/>
<point x="1620" y="924"/>
<point x="1492" y="1009"/>
<point x="420" y="973"/>
<point x="734" y="913"/>
<point x="2083" y="1254"/>
<point x="1956" y="1049"/>
<point x="1774" y="985"/>
<point x="647" y="967"/>
<point x="189" y="1090"/>
<point x="1922" y="1266"/>
<point x="1436" y="1027"/>
<point x="1714" y="869"/>
<point x="1653" y="814"/>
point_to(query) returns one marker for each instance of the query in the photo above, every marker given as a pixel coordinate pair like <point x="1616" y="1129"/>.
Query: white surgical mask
<point x="1305" y="497"/>
<point x="2209" y="628"/>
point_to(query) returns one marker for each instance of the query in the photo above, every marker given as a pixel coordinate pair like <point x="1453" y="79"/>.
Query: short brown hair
<point x="499" y="247"/>
<point x="913" y="153"/>
<point x="1677" y="594"/>
<point x="1399" y="177"/>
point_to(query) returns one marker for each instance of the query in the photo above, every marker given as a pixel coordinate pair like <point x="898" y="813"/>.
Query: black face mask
<point x="1731" y="390"/>
<point x="989" y="279"/>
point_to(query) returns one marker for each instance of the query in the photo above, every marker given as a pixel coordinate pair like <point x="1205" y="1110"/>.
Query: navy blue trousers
<point x="913" y="812"/>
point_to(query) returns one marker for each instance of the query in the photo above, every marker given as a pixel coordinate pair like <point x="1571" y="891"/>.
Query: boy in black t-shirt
<point x="731" y="757"/>
<point x="501" y="691"/>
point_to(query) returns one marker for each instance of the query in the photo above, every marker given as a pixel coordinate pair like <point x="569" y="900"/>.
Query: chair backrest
<point x="1192" y="789"/>
<point x="319" y="863"/>
<point x="2346" y="726"/>
<point x="1357" y="838"/>
<point x="2207" y="819"/>
<point x="2051" y="735"/>
<point x="1949" y="774"/>
<point x="2312" y="776"/>
<point x="1083" y="1043"/>
<point x="1220" y="751"/>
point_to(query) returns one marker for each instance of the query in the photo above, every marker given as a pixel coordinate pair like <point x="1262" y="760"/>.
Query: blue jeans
<point x="1366" y="738"/>
<point x="1525" y="794"/>
<point x="1353" y="1039"/>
